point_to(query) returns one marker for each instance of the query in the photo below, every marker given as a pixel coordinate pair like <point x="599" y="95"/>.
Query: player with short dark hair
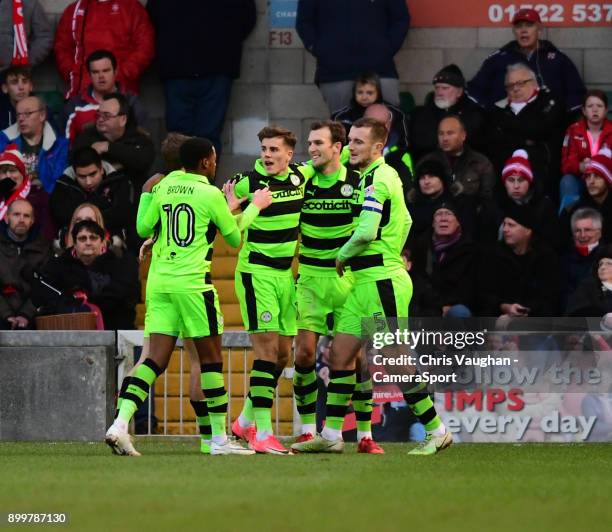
<point x="326" y="224"/>
<point x="382" y="288"/>
<point x="181" y="298"/>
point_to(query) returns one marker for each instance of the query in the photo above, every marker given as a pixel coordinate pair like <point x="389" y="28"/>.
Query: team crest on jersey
<point x="369" y="190"/>
<point x="266" y="316"/>
<point x="295" y="180"/>
<point x="346" y="190"/>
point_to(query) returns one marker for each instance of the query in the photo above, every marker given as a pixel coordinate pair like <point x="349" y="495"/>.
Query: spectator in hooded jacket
<point x="81" y="110"/>
<point x="448" y="99"/>
<point x="38" y="31"/>
<point x="119" y="141"/>
<point x="197" y="85"/>
<point x="531" y="120"/>
<point x="121" y="26"/>
<point x="583" y="139"/>
<point x="23" y="251"/>
<point x="519" y="276"/>
<point x="44" y="152"/>
<point x="89" y="180"/>
<point x="521" y="187"/>
<point x="348" y="37"/>
<point x="553" y="69"/>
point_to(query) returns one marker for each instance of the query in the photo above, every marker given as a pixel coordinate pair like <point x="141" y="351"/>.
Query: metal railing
<point x="234" y="343"/>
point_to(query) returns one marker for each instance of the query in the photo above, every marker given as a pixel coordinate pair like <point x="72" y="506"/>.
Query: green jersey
<point x="189" y="210"/>
<point x="270" y="241"/>
<point x="380" y="193"/>
<point x="327" y="221"/>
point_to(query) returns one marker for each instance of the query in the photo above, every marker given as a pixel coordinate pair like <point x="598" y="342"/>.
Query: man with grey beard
<point x="447" y="98"/>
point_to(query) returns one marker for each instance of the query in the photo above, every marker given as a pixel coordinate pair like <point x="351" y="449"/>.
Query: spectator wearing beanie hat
<point x="521" y="187"/>
<point x="519" y="276"/>
<point x="446" y="257"/>
<point x="448" y="98"/>
<point x="432" y="187"/>
<point x="598" y="183"/>
<point x="16" y="184"/>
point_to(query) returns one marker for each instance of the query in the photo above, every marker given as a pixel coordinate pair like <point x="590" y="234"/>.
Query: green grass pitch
<point x="172" y="487"/>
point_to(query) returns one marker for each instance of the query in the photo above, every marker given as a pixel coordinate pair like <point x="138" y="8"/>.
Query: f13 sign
<point x="479" y="13"/>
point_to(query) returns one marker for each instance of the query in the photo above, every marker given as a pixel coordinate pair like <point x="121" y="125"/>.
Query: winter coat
<point x="453" y="280"/>
<point x="38" y="30"/>
<point x="546" y="222"/>
<point x="472" y="173"/>
<point x="537" y="128"/>
<point x="110" y="282"/>
<point x="18" y="262"/>
<point x="179" y="31"/>
<point x="575" y="268"/>
<point x="531" y="280"/>
<point x="133" y="152"/>
<point x="577" y="147"/>
<point x="590" y="299"/>
<point x="350" y="37"/>
<point x="553" y="69"/>
<point x="121" y="26"/>
<point x="52" y="158"/>
<point x="81" y="110"/>
<point x="424" y="122"/>
<point x="112" y="197"/>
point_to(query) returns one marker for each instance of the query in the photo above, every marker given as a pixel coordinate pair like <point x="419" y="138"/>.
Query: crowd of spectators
<point x="507" y="176"/>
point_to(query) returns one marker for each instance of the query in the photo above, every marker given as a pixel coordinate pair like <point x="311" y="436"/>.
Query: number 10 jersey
<point x="183" y="211"/>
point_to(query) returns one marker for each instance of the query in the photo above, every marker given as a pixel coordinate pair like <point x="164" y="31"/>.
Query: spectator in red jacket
<point x="583" y="139"/>
<point x="81" y="110"/>
<point x="121" y="26"/>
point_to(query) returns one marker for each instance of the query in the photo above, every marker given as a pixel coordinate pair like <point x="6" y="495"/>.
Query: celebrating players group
<point x="346" y="209"/>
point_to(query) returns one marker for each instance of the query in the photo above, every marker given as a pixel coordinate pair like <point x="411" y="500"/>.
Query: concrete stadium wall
<point x="276" y="82"/>
<point x="56" y="386"/>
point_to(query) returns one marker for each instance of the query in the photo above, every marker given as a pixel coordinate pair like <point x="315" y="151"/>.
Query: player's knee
<point x="304" y="355"/>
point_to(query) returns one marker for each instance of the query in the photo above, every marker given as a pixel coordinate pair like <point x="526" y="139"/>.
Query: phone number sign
<point x="479" y="13"/>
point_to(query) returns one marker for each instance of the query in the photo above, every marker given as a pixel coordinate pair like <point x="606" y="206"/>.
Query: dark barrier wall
<point x="56" y="385"/>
